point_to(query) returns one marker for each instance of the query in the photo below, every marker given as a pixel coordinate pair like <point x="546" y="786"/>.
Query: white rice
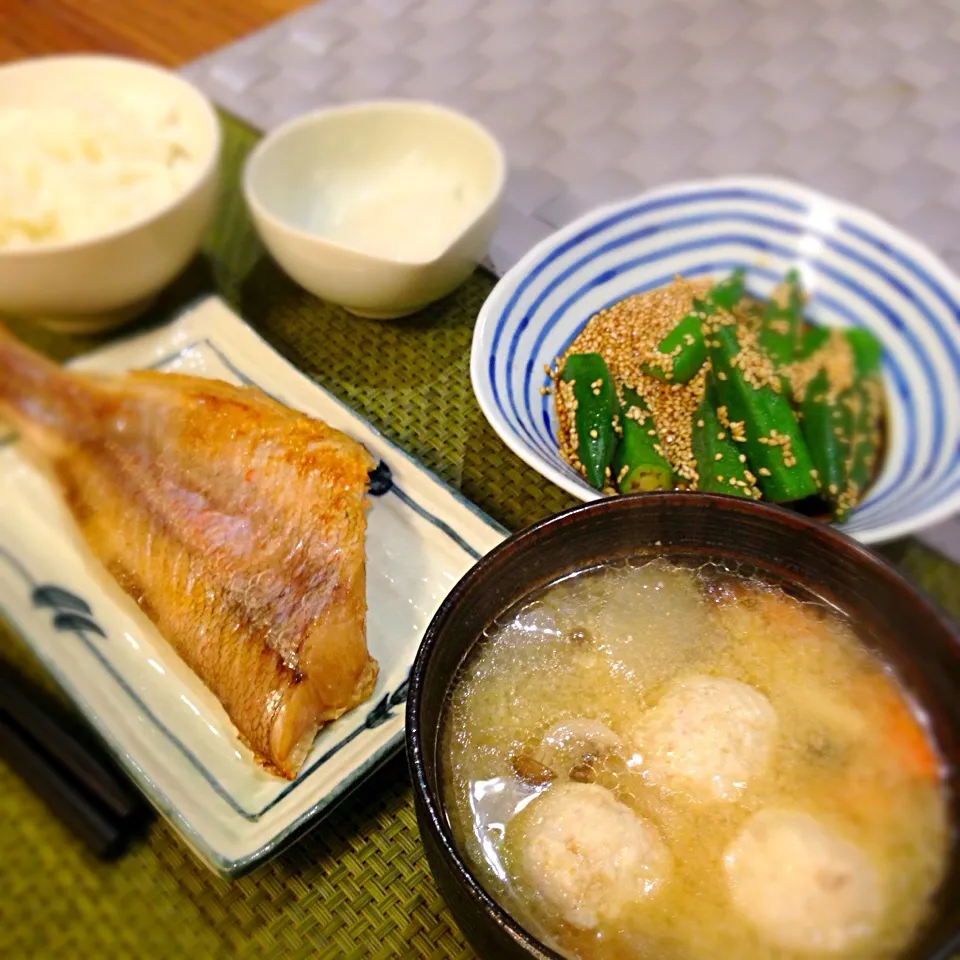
<point x="77" y="169"/>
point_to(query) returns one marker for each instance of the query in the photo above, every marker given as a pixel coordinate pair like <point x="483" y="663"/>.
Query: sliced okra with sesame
<point x="721" y="462"/>
<point x="782" y="328"/>
<point x="867" y="351"/>
<point x="726" y="294"/>
<point x="866" y="397"/>
<point x="828" y="423"/>
<point x="865" y="401"/>
<point x="596" y="403"/>
<point x="812" y="339"/>
<point x="639" y="463"/>
<point x="773" y="443"/>
<point x="842" y="432"/>
<point x="684" y="349"/>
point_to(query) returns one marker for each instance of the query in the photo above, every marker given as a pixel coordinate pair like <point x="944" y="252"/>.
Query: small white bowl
<point x="98" y="282"/>
<point x="380" y="207"/>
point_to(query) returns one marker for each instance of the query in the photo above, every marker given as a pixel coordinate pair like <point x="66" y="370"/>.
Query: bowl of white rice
<point x="108" y="179"/>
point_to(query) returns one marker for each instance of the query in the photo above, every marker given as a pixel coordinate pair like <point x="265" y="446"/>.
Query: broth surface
<point x="645" y="761"/>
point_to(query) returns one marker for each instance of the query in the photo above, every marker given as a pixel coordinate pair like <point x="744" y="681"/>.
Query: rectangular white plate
<point x="168" y="730"/>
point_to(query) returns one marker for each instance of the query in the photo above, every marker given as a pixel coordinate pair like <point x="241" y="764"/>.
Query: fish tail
<point x="35" y="391"/>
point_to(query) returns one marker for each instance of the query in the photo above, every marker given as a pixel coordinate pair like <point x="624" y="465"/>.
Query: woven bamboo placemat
<point x="358" y="886"/>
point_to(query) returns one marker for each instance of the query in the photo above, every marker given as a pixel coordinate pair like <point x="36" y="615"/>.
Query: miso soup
<point x="650" y="761"/>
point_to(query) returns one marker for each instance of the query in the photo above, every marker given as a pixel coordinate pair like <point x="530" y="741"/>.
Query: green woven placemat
<point x="358" y="886"/>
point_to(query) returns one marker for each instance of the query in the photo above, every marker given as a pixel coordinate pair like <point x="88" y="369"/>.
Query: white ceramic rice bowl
<point x="97" y="282"/>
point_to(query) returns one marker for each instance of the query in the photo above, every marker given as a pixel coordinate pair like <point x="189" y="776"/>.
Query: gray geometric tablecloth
<point x="599" y="100"/>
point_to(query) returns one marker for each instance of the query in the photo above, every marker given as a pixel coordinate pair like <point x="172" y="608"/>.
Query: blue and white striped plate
<point x="858" y="270"/>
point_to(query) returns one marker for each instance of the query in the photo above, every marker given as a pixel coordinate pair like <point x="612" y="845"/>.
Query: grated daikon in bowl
<point x="78" y="168"/>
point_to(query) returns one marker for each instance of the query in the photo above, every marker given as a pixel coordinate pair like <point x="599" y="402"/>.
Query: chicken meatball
<point x="802" y="886"/>
<point x="586" y="855"/>
<point x="707" y="737"/>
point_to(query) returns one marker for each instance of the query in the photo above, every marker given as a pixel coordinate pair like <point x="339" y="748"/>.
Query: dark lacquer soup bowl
<point x="891" y="617"/>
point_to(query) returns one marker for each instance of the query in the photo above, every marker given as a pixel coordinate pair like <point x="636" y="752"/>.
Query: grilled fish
<point x="235" y="523"/>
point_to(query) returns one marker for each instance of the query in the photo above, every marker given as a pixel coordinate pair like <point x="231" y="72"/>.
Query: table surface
<point x="357" y="886"/>
<point x="170" y="32"/>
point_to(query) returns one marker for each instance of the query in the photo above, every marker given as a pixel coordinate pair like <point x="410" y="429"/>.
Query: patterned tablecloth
<point x="358" y="886"/>
<point x="597" y="101"/>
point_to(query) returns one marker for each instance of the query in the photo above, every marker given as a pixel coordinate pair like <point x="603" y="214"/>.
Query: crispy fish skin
<point x="235" y="523"/>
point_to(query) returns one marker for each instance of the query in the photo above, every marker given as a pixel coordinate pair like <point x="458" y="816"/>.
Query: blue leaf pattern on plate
<point x="383" y="711"/>
<point x="381" y="480"/>
<point x="77" y="623"/>
<point x="71" y="614"/>
<point x="400" y="694"/>
<point x="48" y="595"/>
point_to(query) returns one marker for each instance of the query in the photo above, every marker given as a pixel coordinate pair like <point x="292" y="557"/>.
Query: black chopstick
<point x="64" y="765"/>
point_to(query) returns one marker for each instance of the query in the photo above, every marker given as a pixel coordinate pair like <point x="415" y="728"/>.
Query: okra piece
<point x="596" y="401"/>
<point x="726" y="294"/>
<point x="867" y="351"/>
<point x="721" y="463"/>
<point x="867" y="402"/>
<point x="842" y="432"/>
<point x="866" y="398"/>
<point x="827" y="424"/>
<point x="812" y="339"/>
<point x="782" y="328"/>
<point x="638" y="465"/>
<point x="684" y="345"/>
<point x="772" y="440"/>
